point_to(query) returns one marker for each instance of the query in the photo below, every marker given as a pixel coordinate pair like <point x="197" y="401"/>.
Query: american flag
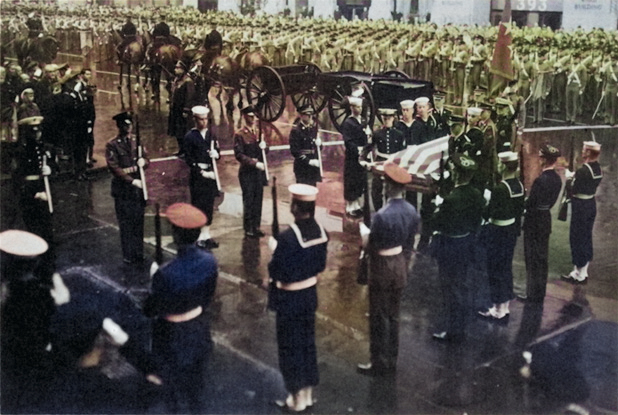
<point x="423" y="159"/>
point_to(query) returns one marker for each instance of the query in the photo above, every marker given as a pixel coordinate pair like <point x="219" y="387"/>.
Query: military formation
<point x="476" y="197"/>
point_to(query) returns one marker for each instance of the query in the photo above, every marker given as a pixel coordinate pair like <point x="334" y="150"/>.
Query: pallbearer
<point x="123" y="161"/>
<point x="201" y="154"/>
<point x="299" y="256"/>
<point x="587" y="179"/>
<point x="305" y="147"/>
<point x="386" y="141"/>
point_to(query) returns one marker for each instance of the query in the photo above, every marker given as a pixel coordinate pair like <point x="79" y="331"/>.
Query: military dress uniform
<point x="30" y="180"/>
<point x="182" y="290"/>
<point x="456" y="222"/>
<point x="300" y="255"/>
<point x="390" y="244"/>
<point x="354" y="175"/>
<point x="252" y="180"/>
<point x="182" y="100"/>
<point x="584" y="209"/>
<point x="203" y="191"/>
<point x="537" y="227"/>
<point x="576" y="82"/>
<point x="385" y="141"/>
<point x="504" y="223"/>
<point x="304" y="149"/>
<point x="121" y="157"/>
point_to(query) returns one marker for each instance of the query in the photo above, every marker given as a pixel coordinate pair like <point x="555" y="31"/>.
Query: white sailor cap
<point x="592" y="145"/>
<point x="507" y="156"/>
<point x="387" y="112"/>
<point x="22" y="243"/>
<point x="200" y="110"/>
<point x="356" y="101"/>
<point x="475" y="111"/>
<point x="421" y="100"/>
<point x="407" y="104"/>
<point x="303" y="192"/>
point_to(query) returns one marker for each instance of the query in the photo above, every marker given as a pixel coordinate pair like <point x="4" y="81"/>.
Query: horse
<point x="42" y="50"/>
<point x="162" y="60"/>
<point x="130" y="54"/>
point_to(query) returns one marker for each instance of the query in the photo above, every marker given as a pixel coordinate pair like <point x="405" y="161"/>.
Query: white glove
<point x="363" y="163"/>
<point x="263" y="145"/>
<point x="367" y="130"/>
<point x="208" y="175"/>
<point x="314" y="163"/>
<point x="569" y="174"/>
<point x="141" y="162"/>
<point x="364" y="233"/>
<point x="46" y="170"/>
<point x="214" y="154"/>
<point x="154" y="268"/>
<point x="439" y="200"/>
<point x="60" y="293"/>
<point x="272" y="244"/>
<point x="89" y="130"/>
<point x="318" y="141"/>
<point x="259" y="165"/>
<point x="487" y="195"/>
<point x="137" y="183"/>
<point x="41" y="196"/>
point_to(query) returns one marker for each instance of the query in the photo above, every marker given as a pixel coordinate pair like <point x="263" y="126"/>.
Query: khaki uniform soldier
<point x="610" y="90"/>
<point x="540" y="89"/>
<point x="458" y="68"/>
<point x="576" y="82"/>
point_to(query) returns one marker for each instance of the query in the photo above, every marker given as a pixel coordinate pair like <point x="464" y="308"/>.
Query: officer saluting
<point x="305" y="147"/>
<point x="122" y="160"/>
<point x="201" y="152"/>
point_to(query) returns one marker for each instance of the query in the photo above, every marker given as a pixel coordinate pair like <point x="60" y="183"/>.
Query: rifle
<point x="157" y="227"/>
<point x="362" y="276"/>
<point x="50" y="205"/>
<point x="568" y="189"/>
<point x="319" y="158"/>
<point x="140" y="153"/>
<point x="264" y="160"/>
<point x="214" y="166"/>
<point x="275" y="225"/>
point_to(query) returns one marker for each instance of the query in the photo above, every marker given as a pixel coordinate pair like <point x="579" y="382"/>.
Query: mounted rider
<point x="128" y="33"/>
<point x="35" y="26"/>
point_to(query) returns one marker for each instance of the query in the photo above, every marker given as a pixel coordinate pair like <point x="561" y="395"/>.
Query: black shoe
<point x="207" y="244"/>
<point x="287" y="410"/>
<point x="259" y="233"/>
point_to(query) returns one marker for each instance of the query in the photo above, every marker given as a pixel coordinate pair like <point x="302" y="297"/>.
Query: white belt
<point x="298" y="285"/>
<point x="390" y="251"/>
<point x="502" y="222"/>
<point x="32" y="177"/>
<point x="181" y="318"/>
<point x="583" y="196"/>
<point x="457" y="236"/>
<point x="202" y="166"/>
<point x="130" y="169"/>
<point x="385" y="155"/>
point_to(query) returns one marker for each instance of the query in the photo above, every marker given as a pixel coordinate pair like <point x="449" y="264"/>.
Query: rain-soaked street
<point x="479" y="375"/>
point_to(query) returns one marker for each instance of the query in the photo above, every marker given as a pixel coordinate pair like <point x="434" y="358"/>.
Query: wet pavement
<point x="480" y="375"/>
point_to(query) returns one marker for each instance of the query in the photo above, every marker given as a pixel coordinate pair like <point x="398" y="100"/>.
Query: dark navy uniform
<point x="181" y="347"/>
<point x="300" y="255"/>
<point x="35" y="212"/>
<point x="183" y="99"/>
<point x="587" y="179"/>
<point x="354" y="175"/>
<point x="203" y="190"/>
<point x="405" y="130"/>
<point x="456" y="221"/>
<point x="443" y="119"/>
<point x="392" y="226"/>
<point x="504" y="216"/>
<point x="537" y="228"/>
<point x="304" y="149"/>
<point x="386" y="141"/>
<point x="121" y="157"/>
<point x="252" y="180"/>
<point x="423" y="131"/>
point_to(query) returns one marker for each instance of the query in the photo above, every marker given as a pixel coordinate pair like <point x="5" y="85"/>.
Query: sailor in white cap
<point x="356" y="134"/>
<point x="305" y="147"/>
<point x="201" y="154"/>
<point x="506" y="206"/>
<point x="441" y="115"/>
<point x="299" y="255"/>
<point x="586" y="180"/>
<point x="407" y="118"/>
<point x="30" y="304"/>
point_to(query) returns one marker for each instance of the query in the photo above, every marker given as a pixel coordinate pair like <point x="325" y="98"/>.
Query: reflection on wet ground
<point x="479" y="375"/>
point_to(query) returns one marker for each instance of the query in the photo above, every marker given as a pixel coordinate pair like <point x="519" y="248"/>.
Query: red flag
<point x="502" y="64"/>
